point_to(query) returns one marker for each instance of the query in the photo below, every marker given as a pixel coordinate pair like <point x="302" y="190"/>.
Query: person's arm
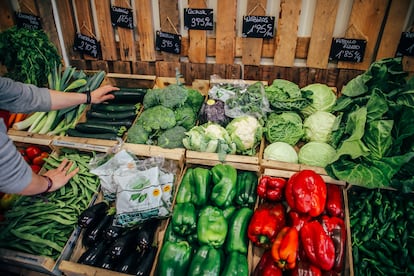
<point x="50" y="181"/>
<point x="61" y="100"/>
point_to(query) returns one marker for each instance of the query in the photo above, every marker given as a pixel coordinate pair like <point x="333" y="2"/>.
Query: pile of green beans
<point x="382" y="229"/>
<point x="42" y="225"/>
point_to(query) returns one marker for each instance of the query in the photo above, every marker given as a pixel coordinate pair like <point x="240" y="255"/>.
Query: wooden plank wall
<point x="221" y="51"/>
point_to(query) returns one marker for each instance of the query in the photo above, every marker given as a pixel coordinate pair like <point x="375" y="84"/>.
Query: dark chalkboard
<point x="28" y="21"/>
<point x="198" y="19"/>
<point x="406" y="44"/>
<point x="87" y="45"/>
<point x="168" y="42"/>
<point x="347" y="49"/>
<point x="122" y="17"/>
<point x="258" y="26"/>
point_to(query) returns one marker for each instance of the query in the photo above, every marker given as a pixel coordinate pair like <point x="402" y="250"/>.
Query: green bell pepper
<point x="184" y="219"/>
<point x="206" y="261"/>
<point x="224" y="190"/>
<point x="174" y="258"/>
<point x="171" y="236"/>
<point x="229" y="212"/>
<point x="246" y="189"/>
<point x="201" y="184"/>
<point x="212" y="226"/>
<point x="236" y="264"/>
<point x="237" y="235"/>
<point x="186" y="190"/>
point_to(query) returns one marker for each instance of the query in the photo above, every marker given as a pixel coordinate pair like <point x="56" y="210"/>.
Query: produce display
<point x="42" y="225"/>
<point x="57" y="122"/>
<point x="207" y="232"/>
<point x="168" y="113"/>
<point x="382" y="227"/>
<point x="298" y="226"/>
<point x="34" y="156"/>
<point x="111" y="120"/>
<point x="107" y="246"/>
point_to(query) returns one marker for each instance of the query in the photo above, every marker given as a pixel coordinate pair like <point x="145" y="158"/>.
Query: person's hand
<point x="102" y="94"/>
<point x="60" y="176"/>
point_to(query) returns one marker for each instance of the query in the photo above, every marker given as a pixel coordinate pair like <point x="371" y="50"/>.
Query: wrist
<point x="49" y="183"/>
<point x="88" y="97"/>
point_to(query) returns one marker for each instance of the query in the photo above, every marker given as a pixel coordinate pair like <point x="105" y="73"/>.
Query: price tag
<point x="122" y="17"/>
<point x="347" y="49"/>
<point x="87" y="45"/>
<point x="258" y="26"/>
<point x="406" y="44"/>
<point x="198" y="19"/>
<point x="168" y="42"/>
<point x="28" y="21"/>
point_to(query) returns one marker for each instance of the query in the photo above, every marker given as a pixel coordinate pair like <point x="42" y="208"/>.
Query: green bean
<point x="36" y="239"/>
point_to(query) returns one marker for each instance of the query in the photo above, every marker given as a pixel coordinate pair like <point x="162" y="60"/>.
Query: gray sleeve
<point x="24" y="98"/>
<point x="15" y="174"/>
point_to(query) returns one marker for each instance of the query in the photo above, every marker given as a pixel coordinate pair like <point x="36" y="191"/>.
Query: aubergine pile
<point x="126" y="250"/>
<point x="110" y="120"/>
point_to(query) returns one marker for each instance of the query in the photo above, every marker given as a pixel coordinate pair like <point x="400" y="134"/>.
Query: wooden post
<point x="197" y="52"/>
<point x="145" y="30"/>
<point x="106" y="31"/>
<point x="226" y="31"/>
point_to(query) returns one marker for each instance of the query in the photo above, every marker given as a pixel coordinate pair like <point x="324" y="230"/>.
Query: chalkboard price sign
<point x="87" y="45"/>
<point x="168" y="42"/>
<point x="258" y="26"/>
<point x="28" y="21"/>
<point x="406" y="44"/>
<point x="198" y="19"/>
<point x="347" y="49"/>
<point x="122" y="17"/>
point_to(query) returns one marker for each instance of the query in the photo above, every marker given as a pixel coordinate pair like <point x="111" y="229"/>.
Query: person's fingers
<point x="72" y="173"/>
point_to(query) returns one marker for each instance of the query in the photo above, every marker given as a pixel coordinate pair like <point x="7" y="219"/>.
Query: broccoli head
<point x="185" y="117"/>
<point x="157" y="118"/>
<point x="171" y="96"/>
<point x="137" y="134"/>
<point x="172" y="138"/>
<point x="195" y="100"/>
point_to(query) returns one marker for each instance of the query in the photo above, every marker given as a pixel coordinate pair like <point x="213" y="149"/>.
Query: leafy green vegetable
<point x="284" y="95"/>
<point x="28" y="55"/>
<point x="172" y="138"/>
<point x="280" y="151"/>
<point x="246" y="132"/>
<point x="284" y="127"/>
<point x="323" y="98"/>
<point x="137" y="134"/>
<point x="194" y="99"/>
<point x="157" y="118"/>
<point x="376" y="131"/>
<point x="317" y="154"/>
<point x="319" y="126"/>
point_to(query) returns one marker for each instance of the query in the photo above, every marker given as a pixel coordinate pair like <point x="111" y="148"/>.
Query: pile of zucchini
<point x="110" y="120"/>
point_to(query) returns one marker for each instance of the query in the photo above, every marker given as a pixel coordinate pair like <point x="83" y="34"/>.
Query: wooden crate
<point x="29" y="138"/>
<point x="129" y="80"/>
<point x="258" y="252"/>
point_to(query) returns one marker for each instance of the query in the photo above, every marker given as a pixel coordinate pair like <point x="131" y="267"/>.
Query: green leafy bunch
<point x="28" y="55"/>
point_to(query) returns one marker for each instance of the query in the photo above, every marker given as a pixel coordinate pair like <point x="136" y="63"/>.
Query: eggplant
<point x="92" y="214"/>
<point x="93" y="254"/>
<point x="112" y="232"/>
<point x="145" y="236"/>
<point x="146" y="262"/>
<point x="94" y="234"/>
<point x="129" y="264"/>
<point x="124" y="244"/>
<point x="107" y="262"/>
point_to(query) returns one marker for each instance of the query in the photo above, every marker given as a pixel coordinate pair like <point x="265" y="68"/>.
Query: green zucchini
<point x="113" y="116"/>
<point x="110" y="107"/>
<point x="123" y="122"/>
<point x="88" y="127"/>
<point x="105" y="136"/>
<point x="129" y="96"/>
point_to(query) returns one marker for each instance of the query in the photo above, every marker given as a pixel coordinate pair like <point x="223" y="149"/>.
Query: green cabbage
<point x="323" y="99"/>
<point x="246" y="132"/>
<point x="317" y="154"/>
<point x="285" y="127"/>
<point x="280" y="151"/>
<point x="318" y="126"/>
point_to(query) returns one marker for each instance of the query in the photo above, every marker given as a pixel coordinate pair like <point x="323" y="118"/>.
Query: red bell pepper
<point x="39" y="160"/>
<point x="285" y="247"/>
<point x="334" y="201"/>
<point x="335" y="228"/>
<point x="306" y="192"/>
<point x="265" y="223"/>
<point x="271" y="188"/>
<point x="33" y="151"/>
<point x="297" y="220"/>
<point x="267" y="266"/>
<point x="306" y="269"/>
<point x="318" y="245"/>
